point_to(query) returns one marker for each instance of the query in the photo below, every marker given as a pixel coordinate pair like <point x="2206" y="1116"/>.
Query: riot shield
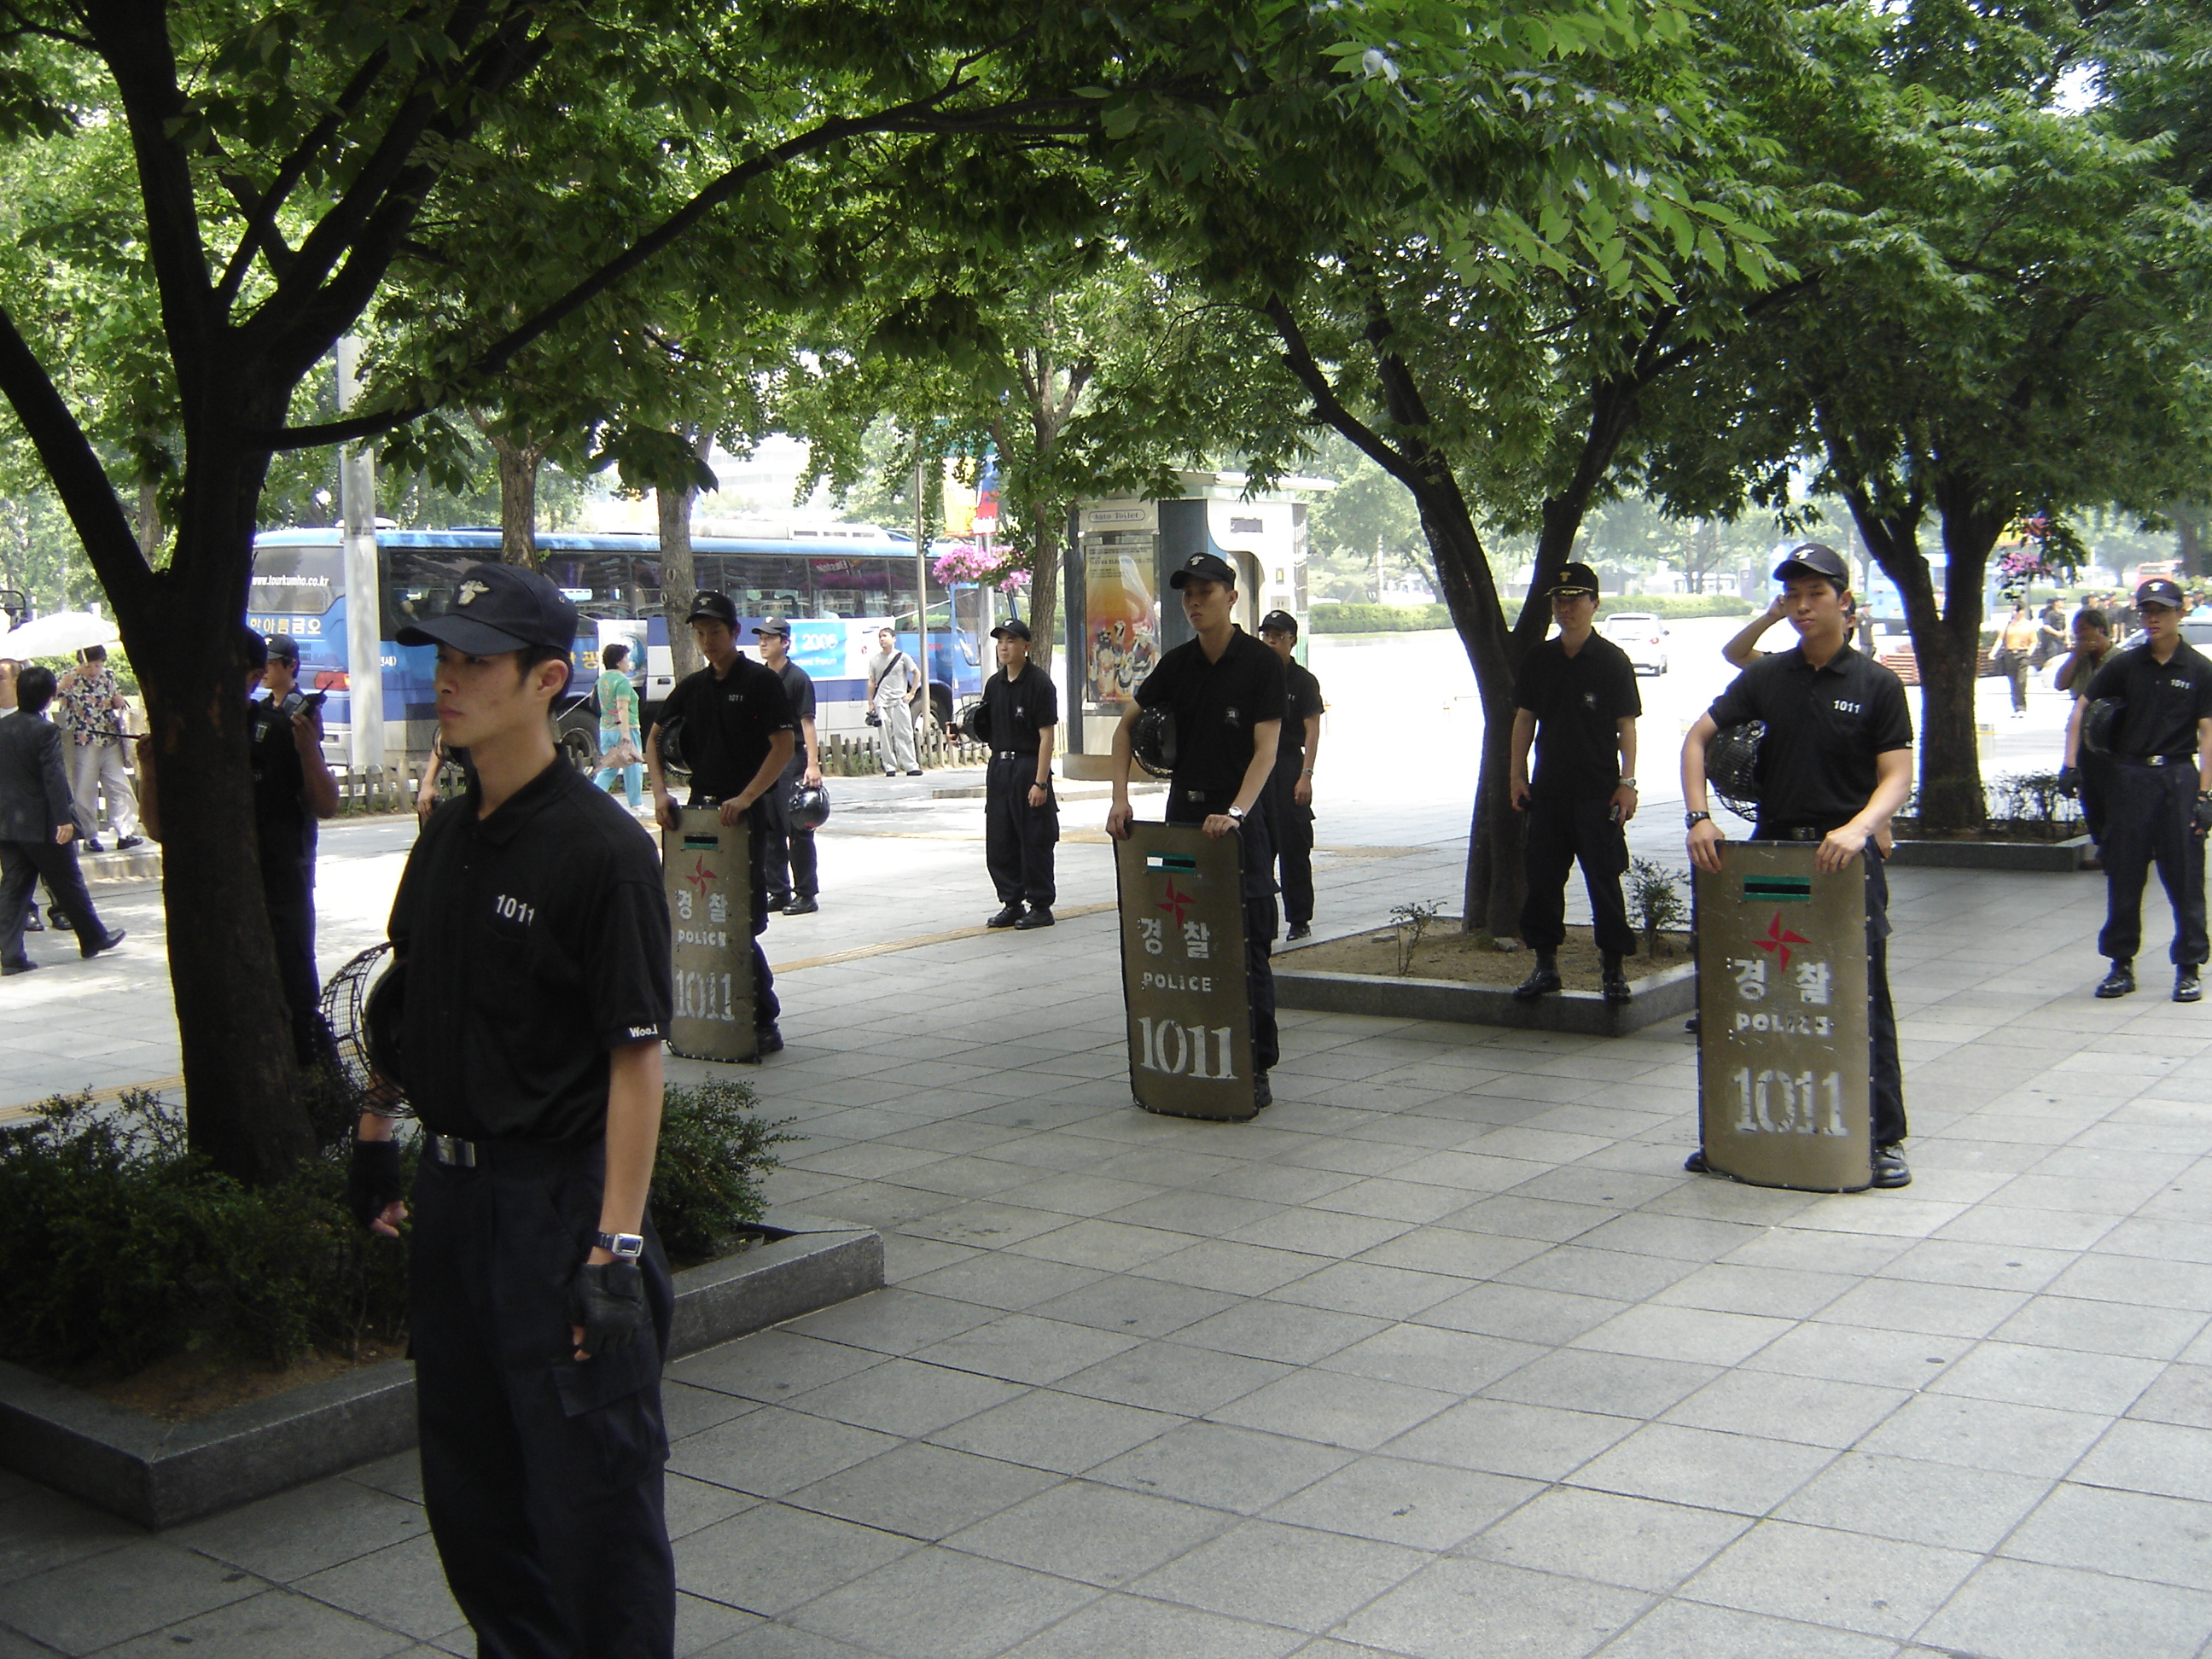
<point x="1182" y="971"/>
<point x="1783" y="1060"/>
<point x="706" y="865"/>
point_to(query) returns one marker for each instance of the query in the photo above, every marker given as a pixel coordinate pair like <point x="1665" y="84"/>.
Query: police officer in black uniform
<point x="532" y="931"/>
<point x="793" y="867"/>
<point x="1016" y="717"/>
<point x="1835" y="764"/>
<point x="1226" y="692"/>
<point x="1575" y="698"/>
<point x="737" y="739"/>
<point x="1290" y="787"/>
<point x="293" y="789"/>
<point x="2160" y="785"/>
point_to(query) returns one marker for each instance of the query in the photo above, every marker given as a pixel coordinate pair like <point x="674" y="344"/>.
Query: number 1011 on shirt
<point x="1182" y="1050"/>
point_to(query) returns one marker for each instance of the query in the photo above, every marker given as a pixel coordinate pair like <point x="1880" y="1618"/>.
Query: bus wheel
<point x="583" y="754"/>
<point x="940" y="706"/>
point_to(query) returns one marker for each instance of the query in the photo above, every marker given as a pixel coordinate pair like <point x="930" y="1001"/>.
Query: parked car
<point x="1642" y="635"/>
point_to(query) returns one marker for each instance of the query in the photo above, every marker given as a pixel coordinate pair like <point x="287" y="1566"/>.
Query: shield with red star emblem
<point x="1182" y="971"/>
<point x="704" y="866"/>
<point x="1783" y="1060"/>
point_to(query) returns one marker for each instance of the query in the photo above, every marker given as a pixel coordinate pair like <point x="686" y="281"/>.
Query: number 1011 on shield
<point x="1784" y="1102"/>
<point x="1180" y="1051"/>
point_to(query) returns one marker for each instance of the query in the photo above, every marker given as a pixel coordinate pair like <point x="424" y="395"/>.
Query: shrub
<point x="715" y="1148"/>
<point x="1678" y="607"/>
<point x="1376" y="618"/>
<point x="1654" y="896"/>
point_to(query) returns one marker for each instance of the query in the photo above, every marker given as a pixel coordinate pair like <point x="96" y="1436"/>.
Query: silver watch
<point x="624" y="1247"/>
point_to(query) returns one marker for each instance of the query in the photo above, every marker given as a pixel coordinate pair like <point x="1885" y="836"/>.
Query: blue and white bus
<point x="836" y="594"/>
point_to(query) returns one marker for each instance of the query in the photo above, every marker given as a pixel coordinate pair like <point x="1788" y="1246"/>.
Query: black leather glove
<point x="2200" y="817"/>
<point x="608" y="1300"/>
<point x="2069" y="782"/>
<point x="372" y="1179"/>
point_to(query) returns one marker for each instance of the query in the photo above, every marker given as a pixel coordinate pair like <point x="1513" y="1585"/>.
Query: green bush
<point x="1377" y="618"/>
<point x="1679" y="607"/>
<point x="118" y="1246"/>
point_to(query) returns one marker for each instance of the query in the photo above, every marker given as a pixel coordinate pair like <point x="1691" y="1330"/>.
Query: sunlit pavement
<point x="1443" y="1355"/>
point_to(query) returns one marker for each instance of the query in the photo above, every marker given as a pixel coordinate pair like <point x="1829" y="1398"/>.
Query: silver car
<point x="1642" y="635"/>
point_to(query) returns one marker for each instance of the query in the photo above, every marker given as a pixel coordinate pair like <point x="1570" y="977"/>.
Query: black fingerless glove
<point x="2200" y="817"/>
<point x="2069" y="782"/>
<point x="372" y="1179"/>
<point x="608" y="1300"/>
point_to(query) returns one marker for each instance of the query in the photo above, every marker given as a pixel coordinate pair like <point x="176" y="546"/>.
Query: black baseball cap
<point x="1574" y="578"/>
<point x="1818" y="557"/>
<point x="775" y="625"/>
<point x="281" y="647"/>
<point x="714" y="607"/>
<point x="496" y="608"/>
<point x="1013" y="628"/>
<point x="1279" y="622"/>
<point x="2160" y="590"/>
<point x="1204" y="567"/>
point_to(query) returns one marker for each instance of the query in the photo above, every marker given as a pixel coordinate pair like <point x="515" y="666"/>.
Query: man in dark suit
<point x="37" y="826"/>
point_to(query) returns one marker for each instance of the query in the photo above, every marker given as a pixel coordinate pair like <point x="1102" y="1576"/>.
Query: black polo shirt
<point x="1825" y="726"/>
<point x="1017" y="712"/>
<point x="536" y="940"/>
<point x="1216" y="706"/>
<point x="727" y="723"/>
<point x="1579" y="702"/>
<point x="2164" y="700"/>
<point x="798" y="692"/>
<point x="1301" y="701"/>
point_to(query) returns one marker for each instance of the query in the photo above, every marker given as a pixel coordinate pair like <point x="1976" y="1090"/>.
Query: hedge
<point x="1419" y="618"/>
<point x="1681" y="607"/>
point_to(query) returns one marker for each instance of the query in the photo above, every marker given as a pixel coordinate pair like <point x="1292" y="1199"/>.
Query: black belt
<point x="2154" y="760"/>
<point x="1013" y="754"/>
<point x="1795" y="832"/>
<point x="451" y="1150"/>
<point x="512" y="1153"/>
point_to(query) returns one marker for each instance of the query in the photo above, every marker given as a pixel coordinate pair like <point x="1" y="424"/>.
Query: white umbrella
<point x="57" y="636"/>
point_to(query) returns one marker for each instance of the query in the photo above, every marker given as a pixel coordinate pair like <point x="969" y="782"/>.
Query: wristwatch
<point x="1630" y="783"/>
<point x="625" y="1246"/>
<point x="1236" y="812"/>
<point x="1691" y="820"/>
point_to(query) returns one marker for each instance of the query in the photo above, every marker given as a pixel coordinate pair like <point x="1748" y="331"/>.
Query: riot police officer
<point x="532" y="930"/>
<point x="1225" y="692"/>
<point x="1018" y="717"/>
<point x="1290" y="787"/>
<point x="790" y="860"/>
<point x="2161" y="784"/>
<point x="1836" y="762"/>
<point x="736" y="741"/>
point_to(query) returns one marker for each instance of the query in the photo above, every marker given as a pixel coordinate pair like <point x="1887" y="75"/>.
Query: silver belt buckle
<point x="453" y="1150"/>
<point x="2156" y="760"/>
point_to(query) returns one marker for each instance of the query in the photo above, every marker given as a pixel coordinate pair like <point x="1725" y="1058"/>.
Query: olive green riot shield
<point x="1782" y="1060"/>
<point x="706" y="866"/>
<point x="1182" y="971"/>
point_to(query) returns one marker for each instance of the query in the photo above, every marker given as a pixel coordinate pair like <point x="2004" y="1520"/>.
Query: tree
<point x="291" y="168"/>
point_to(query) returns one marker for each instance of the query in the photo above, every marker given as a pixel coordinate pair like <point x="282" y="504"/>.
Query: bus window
<point x="859" y="587"/>
<point x="419" y="584"/>
<point x="295" y="581"/>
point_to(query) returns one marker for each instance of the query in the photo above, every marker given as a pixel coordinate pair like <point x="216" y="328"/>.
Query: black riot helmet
<point x="2100" y="724"/>
<point x="808" y="807"/>
<point x="1154" y="741"/>
<point x="671" y="746"/>
<point x="975" y="721"/>
<point x="1732" y="765"/>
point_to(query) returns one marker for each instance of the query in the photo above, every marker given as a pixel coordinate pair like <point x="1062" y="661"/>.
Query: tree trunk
<point x="517" y="498"/>
<point x="182" y="630"/>
<point x="1043" y="563"/>
<point x="2189" y="541"/>
<point x="679" y="575"/>
<point x="150" y="518"/>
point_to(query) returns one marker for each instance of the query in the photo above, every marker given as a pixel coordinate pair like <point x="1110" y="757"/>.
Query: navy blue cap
<point x="1818" y="557"/>
<point x="714" y="607"/>
<point x="282" y="647"/>
<point x="772" y="625"/>
<point x="2160" y="590"/>
<point x="1576" y="578"/>
<point x="1279" y="622"/>
<point x="1013" y="628"/>
<point x="496" y="608"/>
<point x="1203" y="568"/>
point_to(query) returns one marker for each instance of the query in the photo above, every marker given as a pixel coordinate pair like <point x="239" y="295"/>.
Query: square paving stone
<point x="2183" y="1395"/>
<point x="774" y="1450"/>
<point x="92" y="1604"/>
<point x="1451" y="1251"/>
<point x="1986" y="1434"/>
<point x="1172" y="1377"/>
<point x="1621" y="1385"/>
<point x="1264" y="1570"/>
<point x="2130" y="1534"/>
<point x="1918" y="1502"/>
<point x="1613" y="1275"/>
<point x="1127" y="1305"/>
<point x="2151" y="1457"/>
<point x="2092" y="1327"/>
<point x="773" y="1366"/>
<point x="40" y="1530"/>
<point x="1689" y="1630"/>
<point x="1271" y="1330"/>
<point x="1421" y="1505"/>
<point x="1808" y="1409"/>
<point x="1066" y="1433"/>
<point x="1222" y="1466"/>
<point x="1891" y="1359"/>
<point x="1521" y="1315"/>
<point x="1023" y="1348"/>
<point x="2103" y="1382"/>
<point x="1093" y="1533"/>
<point x="921" y="1490"/>
<point x="2026" y="1611"/>
<point x="1697" y="1466"/>
<point x="905" y="1397"/>
<point x="1460" y="1609"/>
<point x="777" y="1558"/>
<point x="1429" y="1357"/>
<point x="936" y="1604"/>
<point x="1820" y="1577"/>
<point x="1887" y="1304"/>
<point x="1502" y="1437"/>
<point x="1359" y="1412"/>
<point x="1125" y="1626"/>
<point x="304" y="1530"/>
<point x="1700" y="1335"/>
<point x="275" y="1625"/>
<point x="403" y="1587"/>
<point x="1223" y="1265"/>
<point x="1629" y="1541"/>
<point x="891" y="1321"/>
<point x="997" y="1279"/>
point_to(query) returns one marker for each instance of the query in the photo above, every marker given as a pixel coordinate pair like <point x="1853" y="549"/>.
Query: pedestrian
<point x="893" y="693"/>
<point x="795" y="871"/>
<point x="2161" y="799"/>
<point x="10" y="668"/>
<point x="2082" y="771"/>
<point x="2050" y="633"/>
<point x="1225" y="693"/>
<point x="620" y="739"/>
<point x="1290" y="787"/>
<point x="1574" y="699"/>
<point x="93" y="713"/>
<point x="532" y="931"/>
<point x="736" y="740"/>
<point x="2015" y="640"/>
<point x="1836" y="762"/>
<point x="1017" y="717"/>
<point x="38" y="825"/>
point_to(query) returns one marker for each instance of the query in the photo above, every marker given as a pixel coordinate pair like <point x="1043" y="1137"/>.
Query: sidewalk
<point x="1442" y="1356"/>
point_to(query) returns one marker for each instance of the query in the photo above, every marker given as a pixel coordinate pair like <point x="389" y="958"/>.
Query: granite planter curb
<point x="160" y="1474"/>
<point x="1671" y="994"/>
<point x="2050" y="857"/>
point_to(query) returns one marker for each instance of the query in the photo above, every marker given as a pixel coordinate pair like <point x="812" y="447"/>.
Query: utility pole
<point x="1379" y="568"/>
<point x="921" y="580"/>
<point x="363" y="588"/>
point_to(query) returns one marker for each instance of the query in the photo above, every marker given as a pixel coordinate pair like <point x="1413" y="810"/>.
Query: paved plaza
<point x="1442" y="1355"/>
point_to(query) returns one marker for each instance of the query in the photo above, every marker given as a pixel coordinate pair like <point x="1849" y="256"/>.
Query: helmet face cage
<point x="1732" y="765"/>
<point x="360" y="1003"/>
<point x="2100" y="724"/>
<point x="671" y="746"/>
<point x="1153" y="742"/>
<point x="808" y="807"/>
